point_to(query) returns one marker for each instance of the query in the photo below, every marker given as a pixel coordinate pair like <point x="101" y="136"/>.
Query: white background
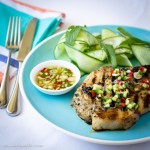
<point x="28" y="131"/>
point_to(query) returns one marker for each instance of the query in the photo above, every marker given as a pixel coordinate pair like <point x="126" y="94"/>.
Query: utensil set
<point x="14" y="43"/>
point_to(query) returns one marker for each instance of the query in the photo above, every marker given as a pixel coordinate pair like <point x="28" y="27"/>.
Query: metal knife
<point x="13" y="107"/>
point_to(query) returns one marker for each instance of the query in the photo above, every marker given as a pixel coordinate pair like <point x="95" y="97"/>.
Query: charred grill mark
<point x="103" y="79"/>
<point x="99" y="83"/>
<point x="106" y="76"/>
<point x="104" y="109"/>
<point x="135" y="69"/>
<point x="136" y="98"/>
<point x="147" y="101"/>
<point x="147" y="74"/>
<point x="112" y="104"/>
<point x="112" y="116"/>
<point x="93" y="80"/>
<point x="101" y="115"/>
<point x="76" y="94"/>
<point x="124" y="69"/>
<point x="131" y="86"/>
<point x="136" y="80"/>
<point x="113" y="78"/>
<point x="86" y="90"/>
<point x="102" y="84"/>
<point x="123" y="109"/>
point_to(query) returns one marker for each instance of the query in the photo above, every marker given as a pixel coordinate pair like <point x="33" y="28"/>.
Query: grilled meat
<point x="113" y="98"/>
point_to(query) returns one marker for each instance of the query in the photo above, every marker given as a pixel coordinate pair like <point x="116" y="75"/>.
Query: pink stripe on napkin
<point x="38" y="8"/>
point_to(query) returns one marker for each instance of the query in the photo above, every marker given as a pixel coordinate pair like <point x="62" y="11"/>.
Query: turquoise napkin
<point x="45" y="27"/>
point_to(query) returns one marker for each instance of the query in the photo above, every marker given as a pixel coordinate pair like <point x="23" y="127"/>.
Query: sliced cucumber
<point x="126" y="51"/>
<point x="142" y="53"/>
<point x="98" y="54"/>
<point x="95" y="47"/>
<point x="81" y="46"/>
<point x="124" y="32"/>
<point x="122" y="60"/>
<point x="129" y="55"/>
<point x="84" y="62"/>
<point x="98" y="37"/>
<point x="84" y="47"/>
<point x="111" y="57"/>
<point x="130" y="38"/>
<point x="123" y="51"/>
<point x="134" y="40"/>
<point x="60" y="52"/>
<point x="87" y="37"/>
<point x="106" y="33"/>
<point x="124" y="46"/>
<point x="114" y="41"/>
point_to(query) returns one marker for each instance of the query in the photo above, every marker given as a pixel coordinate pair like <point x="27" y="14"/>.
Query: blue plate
<point x="56" y="110"/>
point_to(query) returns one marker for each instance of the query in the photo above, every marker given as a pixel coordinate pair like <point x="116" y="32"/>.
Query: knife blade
<point x="27" y="40"/>
<point x="13" y="107"/>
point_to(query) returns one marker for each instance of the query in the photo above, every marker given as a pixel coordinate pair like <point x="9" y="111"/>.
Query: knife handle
<point x="13" y="108"/>
<point x="3" y="88"/>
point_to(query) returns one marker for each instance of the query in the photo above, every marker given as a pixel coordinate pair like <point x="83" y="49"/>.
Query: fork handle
<point x="3" y="89"/>
<point x="13" y="107"/>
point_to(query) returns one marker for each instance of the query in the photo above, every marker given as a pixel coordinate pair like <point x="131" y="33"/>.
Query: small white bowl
<point x="59" y="63"/>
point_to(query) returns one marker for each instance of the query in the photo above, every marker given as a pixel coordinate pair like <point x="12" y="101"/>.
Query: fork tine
<point x="19" y="29"/>
<point x="15" y="33"/>
<point x="13" y="37"/>
<point x="8" y="31"/>
<point x="12" y="31"/>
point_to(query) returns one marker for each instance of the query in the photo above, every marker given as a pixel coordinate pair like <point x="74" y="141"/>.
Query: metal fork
<point x="12" y="44"/>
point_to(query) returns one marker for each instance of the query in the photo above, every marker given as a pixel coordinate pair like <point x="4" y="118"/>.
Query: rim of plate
<point x="92" y="140"/>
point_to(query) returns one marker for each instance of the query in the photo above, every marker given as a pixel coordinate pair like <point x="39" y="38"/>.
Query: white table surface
<point x="28" y="131"/>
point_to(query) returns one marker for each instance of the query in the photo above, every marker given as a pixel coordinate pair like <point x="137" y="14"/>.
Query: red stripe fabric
<point x="38" y="8"/>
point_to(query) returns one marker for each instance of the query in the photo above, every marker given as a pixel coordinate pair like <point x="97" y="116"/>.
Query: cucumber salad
<point x="90" y="51"/>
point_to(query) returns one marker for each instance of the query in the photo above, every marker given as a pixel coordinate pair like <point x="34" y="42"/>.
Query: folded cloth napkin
<point x="48" y="22"/>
